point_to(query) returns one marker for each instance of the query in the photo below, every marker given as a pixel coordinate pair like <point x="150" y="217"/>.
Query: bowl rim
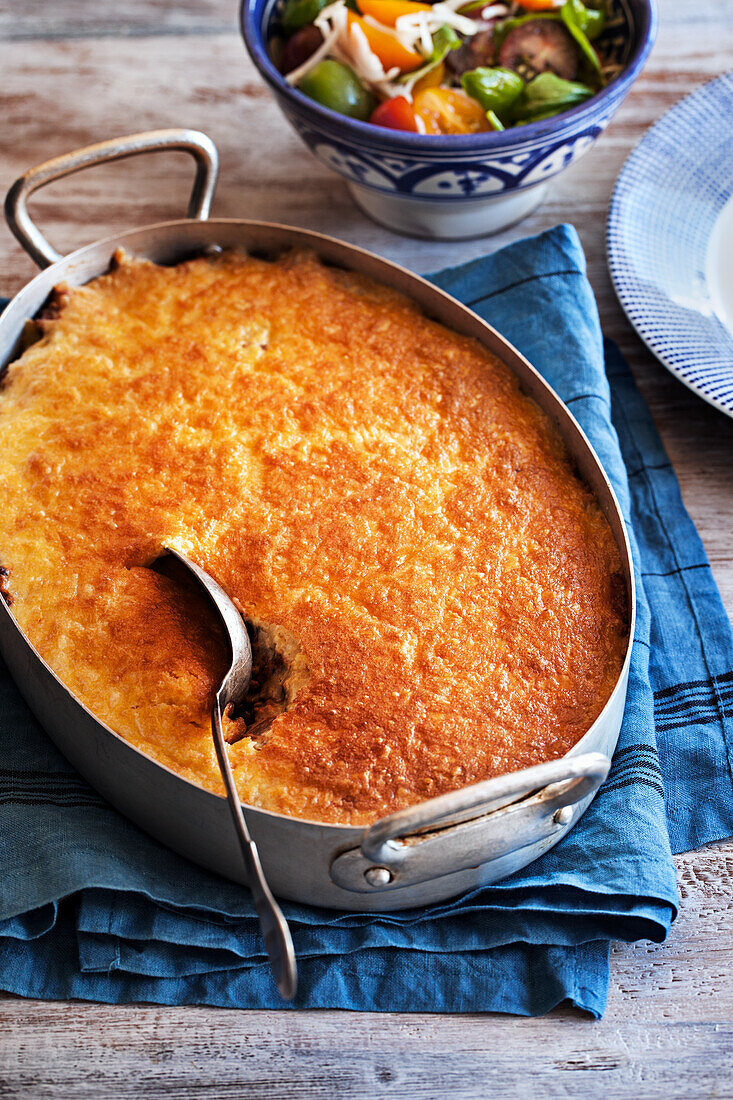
<point x="365" y="133"/>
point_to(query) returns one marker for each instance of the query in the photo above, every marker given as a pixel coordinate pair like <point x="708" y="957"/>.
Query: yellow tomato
<point x="389" y="11"/>
<point x="432" y="79"/>
<point x="388" y="49"/>
<point x="448" y="111"/>
<point x="540" y="5"/>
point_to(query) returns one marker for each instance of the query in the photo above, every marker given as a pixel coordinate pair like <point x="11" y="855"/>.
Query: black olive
<point x="300" y="47"/>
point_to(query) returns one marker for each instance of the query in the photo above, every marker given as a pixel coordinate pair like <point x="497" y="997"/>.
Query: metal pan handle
<point x="471" y="826"/>
<point x="201" y="148"/>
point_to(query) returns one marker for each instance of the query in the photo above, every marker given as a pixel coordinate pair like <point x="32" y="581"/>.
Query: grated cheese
<point x="444" y="12"/>
<point x="414" y="31"/>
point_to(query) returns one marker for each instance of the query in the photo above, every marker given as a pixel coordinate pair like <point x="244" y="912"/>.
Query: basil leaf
<point x="445" y="39"/>
<point x="548" y="95"/>
<point x="568" y="16"/>
<point x="591" y="21"/>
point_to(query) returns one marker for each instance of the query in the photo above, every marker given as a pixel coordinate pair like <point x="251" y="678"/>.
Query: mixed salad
<point x="449" y="67"/>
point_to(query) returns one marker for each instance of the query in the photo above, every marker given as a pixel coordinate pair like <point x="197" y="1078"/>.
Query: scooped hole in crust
<point x="279" y="666"/>
<point x="279" y="671"/>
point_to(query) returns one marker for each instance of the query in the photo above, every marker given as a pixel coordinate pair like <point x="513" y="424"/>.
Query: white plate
<point x="670" y="240"/>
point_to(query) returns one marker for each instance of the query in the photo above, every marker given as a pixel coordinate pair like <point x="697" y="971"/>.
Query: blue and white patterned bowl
<point x="670" y="240"/>
<point x="463" y="185"/>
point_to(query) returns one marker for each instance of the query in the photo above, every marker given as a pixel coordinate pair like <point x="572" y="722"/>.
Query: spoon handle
<point x="274" y="927"/>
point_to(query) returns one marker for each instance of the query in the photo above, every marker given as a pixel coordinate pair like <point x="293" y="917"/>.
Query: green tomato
<point x="337" y="86"/>
<point x="495" y="89"/>
<point x="298" y="13"/>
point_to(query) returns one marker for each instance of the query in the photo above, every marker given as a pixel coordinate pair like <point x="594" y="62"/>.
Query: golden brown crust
<point x="349" y="471"/>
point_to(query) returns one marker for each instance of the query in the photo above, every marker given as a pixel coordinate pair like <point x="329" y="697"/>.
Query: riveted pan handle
<point x="200" y="147"/>
<point x="472" y="826"/>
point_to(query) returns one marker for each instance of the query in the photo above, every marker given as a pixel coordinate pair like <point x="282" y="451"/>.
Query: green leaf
<point x="568" y="16"/>
<point x="590" y="21"/>
<point x="495" y="89"/>
<point x="445" y="39"/>
<point x="548" y="95"/>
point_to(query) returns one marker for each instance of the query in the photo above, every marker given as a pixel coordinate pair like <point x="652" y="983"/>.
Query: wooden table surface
<point x="75" y="72"/>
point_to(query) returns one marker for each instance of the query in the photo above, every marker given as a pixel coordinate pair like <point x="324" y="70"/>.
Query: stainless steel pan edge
<point x="307" y="861"/>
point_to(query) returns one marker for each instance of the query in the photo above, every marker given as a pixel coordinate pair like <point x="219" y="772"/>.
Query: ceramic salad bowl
<point x="453" y="186"/>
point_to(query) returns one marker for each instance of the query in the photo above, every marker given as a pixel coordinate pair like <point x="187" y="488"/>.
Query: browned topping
<point x="372" y="490"/>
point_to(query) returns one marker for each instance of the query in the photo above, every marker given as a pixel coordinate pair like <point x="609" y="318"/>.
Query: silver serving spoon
<point x="274" y="927"/>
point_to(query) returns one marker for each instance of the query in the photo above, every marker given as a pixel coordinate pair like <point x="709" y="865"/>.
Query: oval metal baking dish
<point x="428" y="852"/>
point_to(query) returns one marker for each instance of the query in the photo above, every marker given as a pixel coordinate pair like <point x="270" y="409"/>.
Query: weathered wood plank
<point x="153" y="1052"/>
<point x="133" y="18"/>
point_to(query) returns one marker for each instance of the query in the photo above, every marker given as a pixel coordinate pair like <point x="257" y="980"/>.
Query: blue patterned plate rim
<point x="659" y="239"/>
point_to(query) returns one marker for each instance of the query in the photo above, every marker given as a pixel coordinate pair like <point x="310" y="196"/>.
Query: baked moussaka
<point x="433" y="594"/>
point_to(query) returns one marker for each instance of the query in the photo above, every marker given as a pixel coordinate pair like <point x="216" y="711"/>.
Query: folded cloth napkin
<point x="91" y="907"/>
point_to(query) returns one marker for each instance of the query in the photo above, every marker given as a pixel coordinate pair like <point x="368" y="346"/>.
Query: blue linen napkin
<point x="91" y="907"/>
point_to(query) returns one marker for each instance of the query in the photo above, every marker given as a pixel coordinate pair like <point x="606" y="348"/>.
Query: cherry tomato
<point x="395" y="114"/>
<point x="390" y="52"/>
<point x="389" y="11"/>
<point x="541" y="5"/>
<point x="432" y="79"/>
<point x="477" y="51"/>
<point x="448" y="111"/>
<point x="539" y="46"/>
